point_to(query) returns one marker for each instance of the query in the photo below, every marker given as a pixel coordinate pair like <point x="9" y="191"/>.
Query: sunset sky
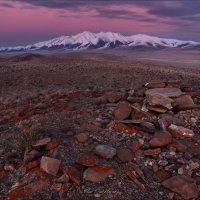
<point x="28" y="21"/>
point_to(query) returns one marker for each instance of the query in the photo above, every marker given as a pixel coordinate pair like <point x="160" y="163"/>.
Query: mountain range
<point x="103" y="40"/>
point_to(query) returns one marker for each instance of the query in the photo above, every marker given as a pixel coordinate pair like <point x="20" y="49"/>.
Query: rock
<point x="159" y="100"/>
<point x="98" y="173"/>
<point x="125" y="154"/>
<point x="151" y="152"/>
<point x="183" y="102"/>
<point x="148" y="126"/>
<point x="175" y="83"/>
<point x="134" y="146"/>
<point x="183" y="185"/>
<point x="122" y="128"/>
<point x="100" y="100"/>
<point x="82" y="137"/>
<point x="162" y="175"/>
<point x="166" y="92"/>
<point x="56" y="186"/>
<point x="52" y="144"/>
<point x="179" y="131"/>
<point x="29" y="156"/>
<point x="158" y="109"/>
<point x="135" y="99"/>
<point x="113" y="98"/>
<point x="155" y="84"/>
<point x="50" y="165"/>
<point x="65" y="187"/>
<point x="30" y="166"/>
<point x="165" y="120"/>
<point x="122" y="111"/>
<point x="73" y="174"/>
<point x="105" y="151"/>
<point x="41" y="142"/>
<point x="87" y="160"/>
<point x="161" y="139"/>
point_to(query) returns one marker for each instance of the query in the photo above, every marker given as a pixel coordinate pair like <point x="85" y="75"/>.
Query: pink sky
<point x="23" y="23"/>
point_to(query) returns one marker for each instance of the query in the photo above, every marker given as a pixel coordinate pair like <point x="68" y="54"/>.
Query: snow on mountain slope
<point x="88" y="40"/>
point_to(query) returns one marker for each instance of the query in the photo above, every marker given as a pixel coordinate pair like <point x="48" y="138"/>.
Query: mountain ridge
<point x="102" y="40"/>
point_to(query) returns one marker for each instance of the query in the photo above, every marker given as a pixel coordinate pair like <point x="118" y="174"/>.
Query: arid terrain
<point x="83" y="125"/>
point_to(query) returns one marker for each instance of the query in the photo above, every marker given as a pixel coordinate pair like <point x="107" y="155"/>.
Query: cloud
<point x="6" y="5"/>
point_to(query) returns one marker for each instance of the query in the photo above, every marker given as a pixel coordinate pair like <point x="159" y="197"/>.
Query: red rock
<point x="22" y="189"/>
<point x="183" y="102"/>
<point x="162" y="175"/>
<point x="87" y="160"/>
<point x="151" y="152"/>
<point x="185" y="186"/>
<point x="63" y="179"/>
<point x="73" y="174"/>
<point x="9" y="167"/>
<point x="134" y="146"/>
<point x="167" y="92"/>
<point x="158" y="109"/>
<point x="52" y="144"/>
<point x="155" y="84"/>
<point x="135" y="99"/>
<point x="150" y="127"/>
<point x="98" y="173"/>
<point x="121" y="128"/>
<point x="161" y="139"/>
<point x="122" y="111"/>
<point x="29" y="156"/>
<point x="179" y="131"/>
<point x="134" y="172"/>
<point x="50" y="165"/>
<point x="105" y="151"/>
<point x="64" y="189"/>
<point x="125" y="154"/>
<point x="82" y="137"/>
<point x="41" y="142"/>
<point x="30" y="166"/>
<point x="113" y="98"/>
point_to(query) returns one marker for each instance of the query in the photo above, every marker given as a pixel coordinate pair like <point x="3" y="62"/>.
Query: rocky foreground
<point x="128" y="144"/>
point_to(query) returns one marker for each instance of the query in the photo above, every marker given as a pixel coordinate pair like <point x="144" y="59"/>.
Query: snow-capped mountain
<point x="88" y="40"/>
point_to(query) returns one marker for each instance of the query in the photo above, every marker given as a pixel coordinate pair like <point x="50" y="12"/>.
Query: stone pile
<point x="159" y="144"/>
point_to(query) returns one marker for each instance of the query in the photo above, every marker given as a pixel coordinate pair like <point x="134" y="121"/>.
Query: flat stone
<point x="155" y="84"/>
<point x="179" y="131"/>
<point x="50" y="165"/>
<point x="73" y="173"/>
<point x="151" y="152"/>
<point x="98" y="173"/>
<point x="41" y="142"/>
<point x="183" y="185"/>
<point x="167" y="92"/>
<point x="161" y="139"/>
<point x="125" y="154"/>
<point x="105" y="151"/>
<point x="87" y="160"/>
<point x="158" y="109"/>
<point x="182" y="100"/>
<point x="159" y="100"/>
<point x="122" y="111"/>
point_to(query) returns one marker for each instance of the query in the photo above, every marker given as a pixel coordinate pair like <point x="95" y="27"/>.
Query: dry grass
<point x="26" y="138"/>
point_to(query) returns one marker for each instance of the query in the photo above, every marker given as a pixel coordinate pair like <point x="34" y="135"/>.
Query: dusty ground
<point x="57" y="92"/>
